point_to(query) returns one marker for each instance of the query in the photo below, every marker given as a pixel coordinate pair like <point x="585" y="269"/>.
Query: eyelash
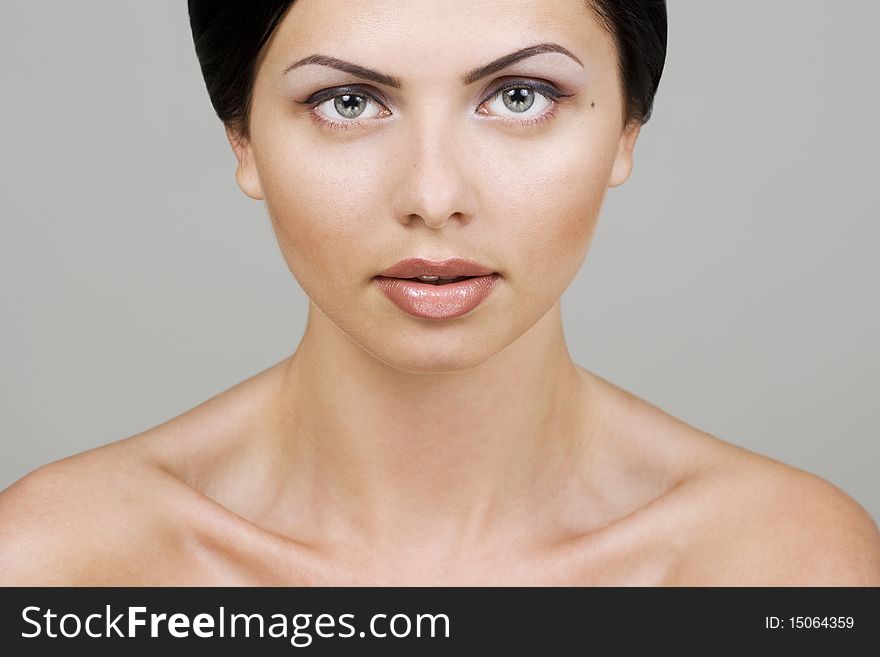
<point x="551" y="93"/>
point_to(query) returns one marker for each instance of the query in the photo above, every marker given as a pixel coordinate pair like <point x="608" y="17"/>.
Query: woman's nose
<point x="435" y="181"/>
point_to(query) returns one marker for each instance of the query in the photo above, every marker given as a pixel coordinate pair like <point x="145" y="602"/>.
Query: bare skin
<point x="678" y="507"/>
<point x="395" y="450"/>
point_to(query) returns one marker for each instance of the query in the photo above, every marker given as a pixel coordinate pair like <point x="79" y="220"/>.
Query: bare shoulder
<point x="772" y="524"/>
<point x="733" y="517"/>
<point x="132" y="511"/>
<point x="80" y="520"/>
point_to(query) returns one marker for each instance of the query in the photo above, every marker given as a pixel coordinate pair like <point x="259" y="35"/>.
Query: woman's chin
<point x="438" y="356"/>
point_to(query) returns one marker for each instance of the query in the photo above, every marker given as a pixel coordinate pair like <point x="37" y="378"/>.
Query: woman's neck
<point x="387" y="457"/>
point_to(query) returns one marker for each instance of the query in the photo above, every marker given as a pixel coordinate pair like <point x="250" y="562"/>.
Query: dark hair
<point x="230" y="35"/>
<point x="639" y="31"/>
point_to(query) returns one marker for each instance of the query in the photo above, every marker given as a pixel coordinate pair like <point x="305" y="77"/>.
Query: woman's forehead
<point x="471" y="15"/>
<point x="443" y="39"/>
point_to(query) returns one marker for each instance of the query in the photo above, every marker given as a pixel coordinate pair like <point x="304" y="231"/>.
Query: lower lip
<point x="437" y="301"/>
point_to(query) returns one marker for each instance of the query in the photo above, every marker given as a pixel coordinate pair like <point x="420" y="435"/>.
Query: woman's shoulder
<point x="90" y="517"/>
<point x="129" y="503"/>
<point x="768" y="523"/>
<point x="737" y="517"/>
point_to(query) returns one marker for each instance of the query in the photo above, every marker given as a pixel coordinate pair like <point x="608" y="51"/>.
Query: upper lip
<point x="450" y="268"/>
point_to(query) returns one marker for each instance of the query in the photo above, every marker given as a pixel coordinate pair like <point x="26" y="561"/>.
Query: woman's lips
<point x="449" y="268"/>
<point x="437" y="301"/>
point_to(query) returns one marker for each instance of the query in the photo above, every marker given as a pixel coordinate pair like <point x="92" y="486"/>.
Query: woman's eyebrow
<point x="394" y="81"/>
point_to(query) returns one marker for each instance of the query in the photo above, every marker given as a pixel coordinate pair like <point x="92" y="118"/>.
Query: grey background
<point x="731" y="281"/>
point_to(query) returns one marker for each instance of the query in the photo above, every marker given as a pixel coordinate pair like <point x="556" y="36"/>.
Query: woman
<point x="430" y="430"/>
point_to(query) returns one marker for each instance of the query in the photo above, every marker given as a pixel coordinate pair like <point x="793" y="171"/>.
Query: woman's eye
<point x="521" y="100"/>
<point x="349" y="105"/>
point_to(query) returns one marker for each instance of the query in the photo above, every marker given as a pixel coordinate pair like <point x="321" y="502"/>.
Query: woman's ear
<point x="246" y="172"/>
<point x="623" y="162"/>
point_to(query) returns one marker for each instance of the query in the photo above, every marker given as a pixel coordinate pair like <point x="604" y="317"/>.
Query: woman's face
<point x="439" y="167"/>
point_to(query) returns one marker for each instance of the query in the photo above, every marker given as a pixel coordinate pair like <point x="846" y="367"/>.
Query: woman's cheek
<point x="553" y="221"/>
<point x="320" y="230"/>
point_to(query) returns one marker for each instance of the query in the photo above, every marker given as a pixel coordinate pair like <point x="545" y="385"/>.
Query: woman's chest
<point x="583" y="563"/>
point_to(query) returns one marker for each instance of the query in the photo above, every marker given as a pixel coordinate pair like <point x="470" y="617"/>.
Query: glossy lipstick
<point x="431" y="301"/>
